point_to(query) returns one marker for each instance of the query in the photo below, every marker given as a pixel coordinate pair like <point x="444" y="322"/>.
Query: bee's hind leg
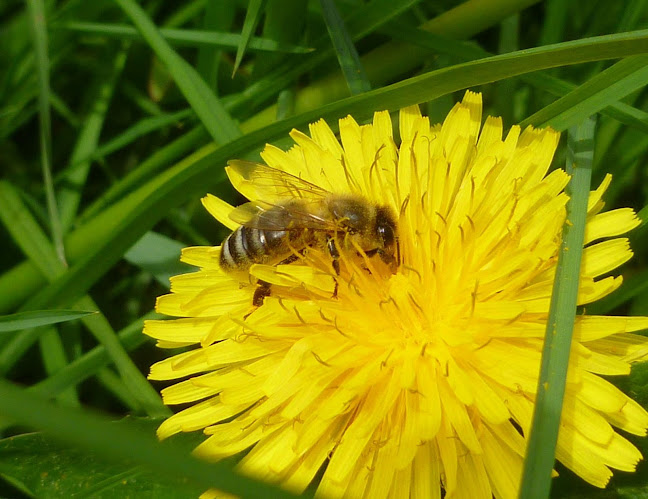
<point x="335" y="256"/>
<point x="263" y="288"/>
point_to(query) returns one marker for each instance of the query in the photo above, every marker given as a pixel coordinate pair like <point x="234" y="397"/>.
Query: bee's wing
<point x="267" y="216"/>
<point x="268" y="181"/>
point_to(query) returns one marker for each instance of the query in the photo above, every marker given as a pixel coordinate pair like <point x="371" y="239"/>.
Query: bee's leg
<point x="260" y="293"/>
<point x="335" y="255"/>
<point x="264" y="287"/>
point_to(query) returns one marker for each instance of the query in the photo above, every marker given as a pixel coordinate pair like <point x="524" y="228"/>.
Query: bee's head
<point x="386" y="232"/>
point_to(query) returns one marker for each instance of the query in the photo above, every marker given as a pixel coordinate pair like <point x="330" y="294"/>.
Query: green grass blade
<point x="187" y="37"/>
<point x="75" y="175"/>
<point x="88" y="364"/>
<point x="39" y="31"/>
<point x="217" y="16"/>
<point x="146" y="397"/>
<point x="205" y="104"/>
<point x="147" y="169"/>
<point x="509" y="42"/>
<point x="252" y="17"/>
<point x="624" y="113"/>
<point x="556" y="12"/>
<point x="37" y="318"/>
<point x="33" y="242"/>
<point x="130" y="135"/>
<point x="536" y="479"/>
<point x="54" y="358"/>
<point x="91" y="362"/>
<point x="361" y="22"/>
<point x="347" y="55"/>
<point x="125" y="442"/>
<point x="25" y="231"/>
<point x="284" y="21"/>
<point x="599" y="92"/>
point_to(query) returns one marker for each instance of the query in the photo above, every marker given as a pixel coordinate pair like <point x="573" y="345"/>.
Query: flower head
<point x="419" y="378"/>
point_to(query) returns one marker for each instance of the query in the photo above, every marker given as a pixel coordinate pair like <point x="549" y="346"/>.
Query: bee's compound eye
<point x="386" y="233"/>
<point x="385" y="227"/>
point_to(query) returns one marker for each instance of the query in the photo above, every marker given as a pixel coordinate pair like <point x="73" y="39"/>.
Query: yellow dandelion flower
<point x="413" y="380"/>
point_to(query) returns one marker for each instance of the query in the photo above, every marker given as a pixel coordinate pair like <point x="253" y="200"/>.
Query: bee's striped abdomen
<point x="246" y="246"/>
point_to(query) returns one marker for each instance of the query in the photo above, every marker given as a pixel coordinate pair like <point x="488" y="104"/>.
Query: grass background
<point x="117" y="116"/>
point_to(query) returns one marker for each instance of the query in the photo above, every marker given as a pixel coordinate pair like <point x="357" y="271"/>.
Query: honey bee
<point x="305" y="216"/>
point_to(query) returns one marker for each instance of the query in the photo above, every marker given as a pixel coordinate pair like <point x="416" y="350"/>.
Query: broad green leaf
<point x="37" y="318"/>
<point x="159" y="255"/>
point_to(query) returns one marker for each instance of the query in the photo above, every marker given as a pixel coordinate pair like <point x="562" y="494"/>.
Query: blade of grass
<point x="205" y="104"/>
<point x="605" y="88"/>
<point x="25" y="231"/>
<point x="508" y="42"/>
<point x="115" y="384"/>
<point x="624" y="113"/>
<point x="131" y="134"/>
<point x="54" y="358"/>
<point x="553" y="27"/>
<point x="126" y="442"/>
<point x="88" y="364"/>
<point x="347" y="55"/>
<point x="37" y="16"/>
<point x="217" y="16"/>
<point x="33" y="242"/>
<point x="284" y="21"/>
<point x="148" y="168"/>
<point x="37" y="318"/>
<point x="536" y="478"/>
<point x="361" y="22"/>
<point x="75" y="175"/>
<point x="252" y="16"/>
<point x="186" y="37"/>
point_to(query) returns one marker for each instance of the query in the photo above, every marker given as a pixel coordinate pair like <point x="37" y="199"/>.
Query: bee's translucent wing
<point x="245" y="213"/>
<point x="271" y="182"/>
<point x="290" y="216"/>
